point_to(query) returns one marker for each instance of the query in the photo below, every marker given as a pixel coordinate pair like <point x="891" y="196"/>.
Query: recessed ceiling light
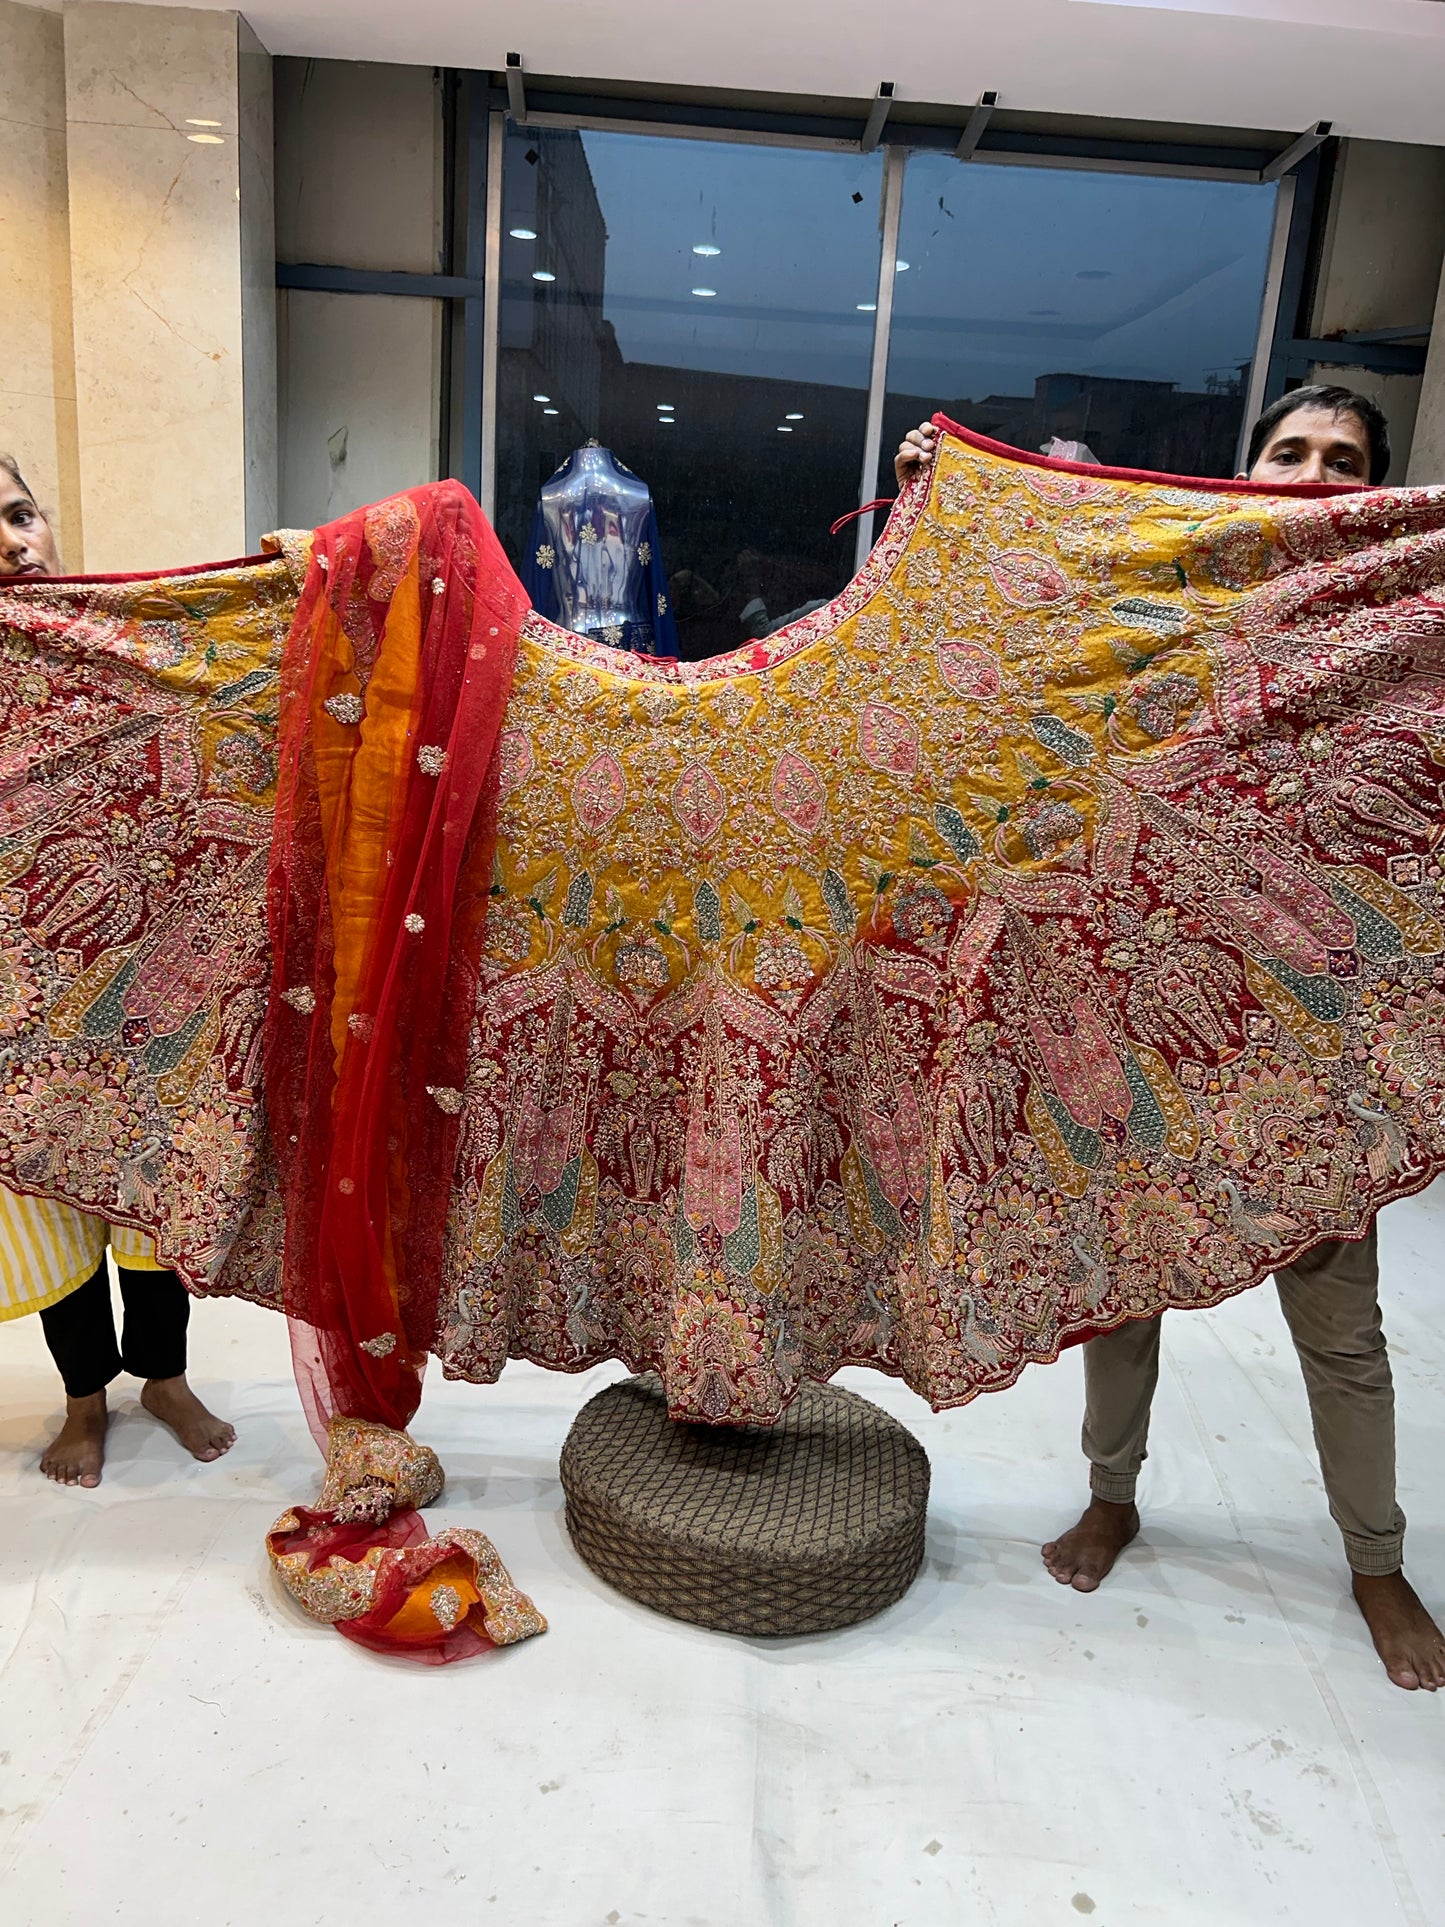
<point x="705" y="294"/>
<point x="203" y="123"/>
<point x="551" y="411"/>
<point x="792" y="418"/>
<point x="902" y="267"/>
<point x="541" y="398"/>
<point x="867" y="307"/>
<point x="522" y="233"/>
<point x="541" y="274"/>
<point x="207" y="140"/>
<point x="664" y="408"/>
<point x="666" y="421"/>
<point x="784" y="431"/>
<point x="706" y="248"/>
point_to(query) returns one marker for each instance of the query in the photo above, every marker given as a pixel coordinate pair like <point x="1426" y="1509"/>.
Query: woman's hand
<point x="915" y="453"/>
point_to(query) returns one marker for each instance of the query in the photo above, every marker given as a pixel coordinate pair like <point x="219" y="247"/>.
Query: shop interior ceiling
<point x="1374" y="68"/>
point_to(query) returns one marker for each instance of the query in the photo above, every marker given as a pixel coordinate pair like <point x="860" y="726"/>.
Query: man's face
<point x="1316" y="445"/>
<point x="27" y="548"/>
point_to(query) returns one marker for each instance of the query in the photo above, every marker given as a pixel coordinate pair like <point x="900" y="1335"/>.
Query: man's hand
<point x="915" y="453"/>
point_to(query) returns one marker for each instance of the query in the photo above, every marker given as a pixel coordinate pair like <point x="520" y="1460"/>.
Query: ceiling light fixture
<point x="541" y="274"/>
<point x="705" y="294"/>
<point x="551" y="411"/>
<point x="902" y="267"/>
<point x="792" y="418"/>
<point x="522" y="233"/>
<point x="784" y="431"/>
<point x="541" y="398"/>
<point x="203" y="123"/>
<point x="664" y="408"/>
<point x="867" y="307"/>
<point x="207" y="140"/>
<point x="707" y="249"/>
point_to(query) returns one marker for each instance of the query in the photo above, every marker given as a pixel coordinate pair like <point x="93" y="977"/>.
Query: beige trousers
<point x="1330" y="1299"/>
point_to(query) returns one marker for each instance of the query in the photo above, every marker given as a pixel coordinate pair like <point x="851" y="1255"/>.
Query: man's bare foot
<point x="1406" y="1637"/>
<point x="172" y="1401"/>
<point x="77" y="1452"/>
<point x="1085" y="1555"/>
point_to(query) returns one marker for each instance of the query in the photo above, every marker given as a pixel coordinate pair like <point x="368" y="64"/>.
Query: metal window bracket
<point x="1296" y="152"/>
<point x="877" y="116"/>
<point x="516" y="89"/>
<point x="974" y="127"/>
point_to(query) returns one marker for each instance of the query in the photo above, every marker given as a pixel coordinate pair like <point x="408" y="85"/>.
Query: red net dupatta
<point x="395" y="679"/>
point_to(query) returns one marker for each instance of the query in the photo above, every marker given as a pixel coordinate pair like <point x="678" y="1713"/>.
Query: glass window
<point x="1116" y="310"/>
<point x="704" y="310"/>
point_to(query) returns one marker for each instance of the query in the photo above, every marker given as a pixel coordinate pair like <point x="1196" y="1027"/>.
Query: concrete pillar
<point x="1427" y="455"/>
<point x="168" y="136"/>
<point x="1380" y="267"/>
<point x="37" y="360"/>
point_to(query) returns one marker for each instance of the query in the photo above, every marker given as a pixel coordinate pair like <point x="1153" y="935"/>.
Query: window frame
<point x="478" y="106"/>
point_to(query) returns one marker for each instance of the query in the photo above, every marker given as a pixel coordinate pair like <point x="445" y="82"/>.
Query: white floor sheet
<point x="1207" y="1740"/>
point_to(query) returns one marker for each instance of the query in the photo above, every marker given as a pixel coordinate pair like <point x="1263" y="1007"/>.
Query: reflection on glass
<point x="1116" y="310"/>
<point x="703" y="296"/>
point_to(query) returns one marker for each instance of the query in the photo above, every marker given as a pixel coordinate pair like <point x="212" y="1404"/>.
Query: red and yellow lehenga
<point x="1041" y="935"/>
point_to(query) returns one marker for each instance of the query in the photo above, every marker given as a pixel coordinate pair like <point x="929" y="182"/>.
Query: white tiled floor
<point x="1207" y="1740"/>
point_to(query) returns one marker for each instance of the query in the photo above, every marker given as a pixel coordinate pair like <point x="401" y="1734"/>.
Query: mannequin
<point x="593" y="561"/>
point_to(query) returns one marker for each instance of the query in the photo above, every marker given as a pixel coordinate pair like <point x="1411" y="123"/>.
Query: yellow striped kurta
<point x="48" y="1249"/>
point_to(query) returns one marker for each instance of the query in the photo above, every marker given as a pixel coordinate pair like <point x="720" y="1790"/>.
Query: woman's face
<point x="27" y="547"/>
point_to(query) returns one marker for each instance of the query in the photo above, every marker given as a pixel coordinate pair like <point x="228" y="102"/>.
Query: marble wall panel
<point x="37" y="361"/>
<point x="157" y="185"/>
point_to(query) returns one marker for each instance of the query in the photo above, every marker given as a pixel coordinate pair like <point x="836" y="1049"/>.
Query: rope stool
<point x="802" y="1527"/>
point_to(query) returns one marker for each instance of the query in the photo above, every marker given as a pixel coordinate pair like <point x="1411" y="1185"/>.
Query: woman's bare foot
<point x="172" y="1401"/>
<point x="1085" y="1555"/>
<point x="1407" y="1639"/>
<point x="77" y="1452"/>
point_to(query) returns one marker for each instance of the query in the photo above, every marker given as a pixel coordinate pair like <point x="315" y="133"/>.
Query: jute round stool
<point x="811" y="1524"/>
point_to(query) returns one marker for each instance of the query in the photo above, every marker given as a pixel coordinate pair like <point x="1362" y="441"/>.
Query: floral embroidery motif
<point x="301" y="998"/>
<point x="431" y="758"/>
<point x="382" y="1346"/>
<point x="599" y="793"/>
<point x="346" y="708"/>
<point x="546" y="556"/>
<point x="446" y="1099"/>
<point x="415" y="924"/>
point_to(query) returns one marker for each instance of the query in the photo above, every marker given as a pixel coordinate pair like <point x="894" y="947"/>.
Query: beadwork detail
<point x="301" y="997"/>
<point x="414" y="923"/>
<point x="445" y="1098"/>
<point x="446" y="1605"/>
<point x="346" y="708"/>
<point x="431" y="758"/>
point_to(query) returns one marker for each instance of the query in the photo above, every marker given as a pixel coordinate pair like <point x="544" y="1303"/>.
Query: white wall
<point x="359" y="185"/>
<point x="360" y="378"/>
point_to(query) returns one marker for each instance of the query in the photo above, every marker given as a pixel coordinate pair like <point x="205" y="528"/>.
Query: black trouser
<point x="80" y="1330"/>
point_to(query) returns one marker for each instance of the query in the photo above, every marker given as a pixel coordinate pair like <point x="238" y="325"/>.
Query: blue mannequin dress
<point x="593" y="561"/>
